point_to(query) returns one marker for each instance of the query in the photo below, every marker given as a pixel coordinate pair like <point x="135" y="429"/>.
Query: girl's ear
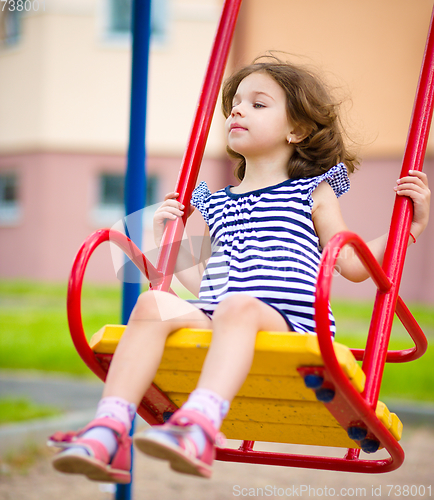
<point x="297" y="135"/>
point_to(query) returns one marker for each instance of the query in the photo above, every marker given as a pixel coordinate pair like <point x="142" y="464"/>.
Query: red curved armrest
<point x="342" y="383"/>
<point x="383" y="283"/>
<point x="75" y="285"/>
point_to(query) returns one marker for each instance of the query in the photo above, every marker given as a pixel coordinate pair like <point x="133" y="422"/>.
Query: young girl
<point x="262" y="247"/>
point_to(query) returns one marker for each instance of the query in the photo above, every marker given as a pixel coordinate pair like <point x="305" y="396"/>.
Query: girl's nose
<point x="236" y="110"/>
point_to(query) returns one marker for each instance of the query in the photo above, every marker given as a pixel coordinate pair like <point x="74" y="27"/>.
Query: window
<point x="111" y="190"/>
<point x="10" y="26"/>
<point x="109" y="206"/>
<point x="152" y="186"/>
<point x="119" y="19"/>
<point x="159" y="16"/>
<point x="10" y="212"/>
<point x="110" y="197"/>
<point x="120" y="16"/>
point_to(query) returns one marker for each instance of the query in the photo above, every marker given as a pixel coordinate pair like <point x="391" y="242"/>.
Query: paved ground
<point x="154" y="480"/>
<point x="76" y="397"/>
<point x="64" y="392"/>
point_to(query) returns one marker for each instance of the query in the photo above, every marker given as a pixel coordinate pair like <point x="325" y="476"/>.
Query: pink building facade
<point x="63" y="148"/>
<point x="60" y="203"/>
<point x="60" y="206"/>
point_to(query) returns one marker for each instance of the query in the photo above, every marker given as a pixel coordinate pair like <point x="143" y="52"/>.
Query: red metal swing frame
<point x="386" y="277"/>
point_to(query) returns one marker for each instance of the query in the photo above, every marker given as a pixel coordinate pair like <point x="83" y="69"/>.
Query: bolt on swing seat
<point x="302" y="389"/>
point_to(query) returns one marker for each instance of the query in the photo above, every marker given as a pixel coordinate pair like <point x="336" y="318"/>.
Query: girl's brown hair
<point x="312" y="111"/>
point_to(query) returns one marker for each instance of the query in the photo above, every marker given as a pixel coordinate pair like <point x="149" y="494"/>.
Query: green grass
<point x="34" y="333"/>
<point x="18" y="409"/>
<point x="412" y="381"/>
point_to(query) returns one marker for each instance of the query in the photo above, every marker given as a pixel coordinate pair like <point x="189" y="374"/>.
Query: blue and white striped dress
<point x="264" y="244"/>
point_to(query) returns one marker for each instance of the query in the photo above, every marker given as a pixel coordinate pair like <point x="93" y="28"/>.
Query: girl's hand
<point x="169" y="210"/>
<point x="415" y="186"/>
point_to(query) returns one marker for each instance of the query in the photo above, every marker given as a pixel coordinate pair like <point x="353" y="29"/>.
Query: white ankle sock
<point x="105" y="436"/>
<point x="195" y="433"/>
<point x="213" y="406"/>
<point x="116" y="408"/>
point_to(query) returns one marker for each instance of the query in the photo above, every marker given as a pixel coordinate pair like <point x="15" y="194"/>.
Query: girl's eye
<point x="258" y="105"/>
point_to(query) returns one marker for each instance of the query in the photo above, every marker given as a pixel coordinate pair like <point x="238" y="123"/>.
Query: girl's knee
<point x="239" y="306"/>
<point x="146" y="318"/>
<point x="147" y="305"/>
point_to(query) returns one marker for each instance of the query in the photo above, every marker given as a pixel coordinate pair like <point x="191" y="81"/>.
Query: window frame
<point x="106" y="214"/>
<point x="10" y="211"/>
<point x="10" y="18"/>
<point x="159" y="25"/>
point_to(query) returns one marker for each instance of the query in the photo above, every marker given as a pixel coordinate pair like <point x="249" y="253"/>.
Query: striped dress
<point x="264" y="244"/>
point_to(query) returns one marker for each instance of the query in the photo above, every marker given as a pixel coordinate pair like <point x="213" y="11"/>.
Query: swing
<point x="302" y="389"/>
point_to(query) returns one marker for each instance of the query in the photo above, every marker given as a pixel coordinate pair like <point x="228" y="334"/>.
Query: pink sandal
<point x="183" y="458"/>
<point x="97" y="465"/>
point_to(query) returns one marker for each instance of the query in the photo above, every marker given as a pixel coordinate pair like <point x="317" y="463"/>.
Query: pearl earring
<point x="289" y="141"/>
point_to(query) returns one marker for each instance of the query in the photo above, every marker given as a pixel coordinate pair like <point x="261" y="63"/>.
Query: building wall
<point x="64" y="111"/>
<point x="59" y="210"/>
<point x="64" y="119"/>
<point x="66" y="86"/>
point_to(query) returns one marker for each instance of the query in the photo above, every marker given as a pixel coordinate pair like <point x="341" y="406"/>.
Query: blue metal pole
<point x="135" y="179"/>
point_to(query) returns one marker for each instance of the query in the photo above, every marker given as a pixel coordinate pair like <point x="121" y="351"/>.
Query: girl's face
<point x="258" y="125"/>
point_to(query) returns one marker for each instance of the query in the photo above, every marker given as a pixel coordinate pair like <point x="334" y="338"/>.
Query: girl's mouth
<point x="236" y="127"/>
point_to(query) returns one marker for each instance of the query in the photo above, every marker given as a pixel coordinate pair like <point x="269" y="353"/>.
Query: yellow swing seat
<point x="274" y="404"/>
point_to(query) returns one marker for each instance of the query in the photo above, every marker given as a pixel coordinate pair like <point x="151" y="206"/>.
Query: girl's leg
<point x="139" y="352"/>
<point x="236" y="322"/>
<point x="132" y="370"/>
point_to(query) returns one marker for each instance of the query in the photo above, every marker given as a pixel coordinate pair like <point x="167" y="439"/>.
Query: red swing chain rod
<point x="187" y="178"/>
<point x="393" y="263"/>
<point x="386" y="278"/>
<point x="159" y="277"/>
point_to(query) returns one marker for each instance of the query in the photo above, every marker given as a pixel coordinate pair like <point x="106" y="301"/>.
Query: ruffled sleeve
<point x="199" y="197"/>
<point x="338" y="179"/>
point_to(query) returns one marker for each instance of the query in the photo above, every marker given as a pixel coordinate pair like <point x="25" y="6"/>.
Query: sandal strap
<point x="121" y="460"/>
<point x="111" y="423"/>
<point x="122" y="457"/>
<point x="61" y="437"/>
<point x="183" y="418"/>
<point x="123" y="453"/>
<point x="93" y="447"/>
<point x="117" y="427"/>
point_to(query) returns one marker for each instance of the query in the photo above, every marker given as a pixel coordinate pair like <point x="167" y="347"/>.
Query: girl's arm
<point x="188" y="272"/>
<point x="328" y="221"/>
